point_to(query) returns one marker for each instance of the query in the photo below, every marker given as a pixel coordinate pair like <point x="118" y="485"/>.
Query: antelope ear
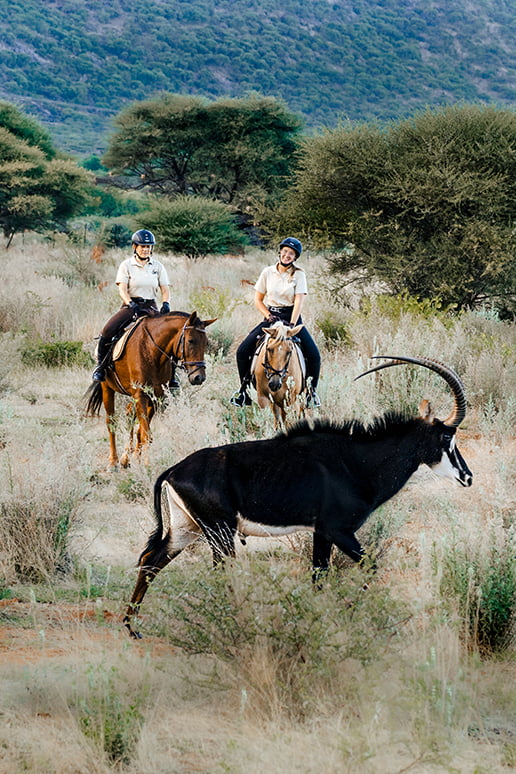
<point x="425" y="411"/>
<point x="294" y="331"/>
<point x="209" y="322"/>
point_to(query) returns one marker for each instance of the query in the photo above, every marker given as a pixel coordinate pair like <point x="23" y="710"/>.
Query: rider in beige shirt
<point x="139" y="279"/>
<point x="280" y="293"/>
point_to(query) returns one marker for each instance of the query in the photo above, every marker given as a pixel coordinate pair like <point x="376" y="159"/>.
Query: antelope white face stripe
<point x="451" y="466"/>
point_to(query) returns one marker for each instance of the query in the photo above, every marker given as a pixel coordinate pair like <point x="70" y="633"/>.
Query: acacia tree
<point x="426" y="205"/>
<point x="37" y="190"/>
<point x="234" y="150"/>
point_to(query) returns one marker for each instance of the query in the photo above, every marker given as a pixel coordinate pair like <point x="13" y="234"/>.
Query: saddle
<point x="119" y="345"/>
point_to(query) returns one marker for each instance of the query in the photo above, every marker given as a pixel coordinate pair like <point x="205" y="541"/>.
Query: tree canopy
<point x="38" y="190"/>
<point x="426" y="205"/>
<point x="233" y="150"/>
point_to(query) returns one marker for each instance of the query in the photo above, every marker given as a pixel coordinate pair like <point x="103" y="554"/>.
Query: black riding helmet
<point x="143" y="237"/>
<point x="294" y="244"/>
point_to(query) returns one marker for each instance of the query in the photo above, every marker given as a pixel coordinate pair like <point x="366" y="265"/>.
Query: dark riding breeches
<point x="115" y="325"/>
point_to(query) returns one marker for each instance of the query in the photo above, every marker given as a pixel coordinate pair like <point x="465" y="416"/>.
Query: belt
<point x="280" y="309"/>
<point x="143" y="301"/>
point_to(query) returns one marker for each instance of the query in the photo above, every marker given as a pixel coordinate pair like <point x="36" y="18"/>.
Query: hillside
<point x="74" y="63"/>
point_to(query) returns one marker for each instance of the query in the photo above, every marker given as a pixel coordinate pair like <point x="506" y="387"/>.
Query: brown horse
<point x="278" y="372"/>
<point x="143" y="369"/>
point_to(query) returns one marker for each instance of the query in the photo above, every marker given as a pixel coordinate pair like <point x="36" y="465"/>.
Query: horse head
<point x="278" y="351"/>
<point x="192" y="347"/>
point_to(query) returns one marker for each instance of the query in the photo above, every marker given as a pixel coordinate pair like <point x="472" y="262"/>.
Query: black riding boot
<point x="99" y="374"/>
<point x="173" y="384"/>
<point x="241" y="397"/>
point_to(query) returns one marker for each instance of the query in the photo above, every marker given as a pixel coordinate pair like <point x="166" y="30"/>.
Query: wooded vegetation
<point x="38" y="189"/>
<point x="235" y="150"/>
<point x="425" y="206"/>
<point x="75" y="64"/>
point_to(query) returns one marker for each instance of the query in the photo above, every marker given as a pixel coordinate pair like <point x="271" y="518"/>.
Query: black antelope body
<point x="324" y="478"/>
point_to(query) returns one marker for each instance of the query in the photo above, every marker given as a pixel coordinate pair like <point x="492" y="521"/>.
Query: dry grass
<point x="78" y="696"/>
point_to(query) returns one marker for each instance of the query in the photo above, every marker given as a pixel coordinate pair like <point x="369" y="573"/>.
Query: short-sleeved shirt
<point x="144" y="280"/>
<point x="280" y="287"/>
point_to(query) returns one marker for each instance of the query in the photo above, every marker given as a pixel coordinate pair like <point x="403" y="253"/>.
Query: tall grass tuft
<point x="109" y="717"/>
<point x="35" y="534"/>
<point x="480" y="578"/>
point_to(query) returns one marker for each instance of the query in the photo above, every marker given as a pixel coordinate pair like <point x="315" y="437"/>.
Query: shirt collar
<point x="135" y="261"/>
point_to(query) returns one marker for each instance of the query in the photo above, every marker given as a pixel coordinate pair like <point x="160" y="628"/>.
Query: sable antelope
<point x="279" y="372"/>
<point x="143" y="369"/>
<point x="326" y="478"/>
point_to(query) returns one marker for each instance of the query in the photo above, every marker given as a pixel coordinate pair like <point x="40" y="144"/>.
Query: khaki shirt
<point x="144" y="280"/>
<point x="281" y="287"/>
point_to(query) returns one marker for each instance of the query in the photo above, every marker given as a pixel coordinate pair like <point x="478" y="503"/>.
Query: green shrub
<point x="481" y="579"/>
<point x="195" y="227"/>
<point x="259" y="612"/>
<point x="109" y="717"/>
<point x="55" y="354"/>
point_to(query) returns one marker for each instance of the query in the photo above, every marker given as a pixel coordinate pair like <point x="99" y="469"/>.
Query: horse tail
<point x="93" y="399"/>
<point x="158" y="539"/>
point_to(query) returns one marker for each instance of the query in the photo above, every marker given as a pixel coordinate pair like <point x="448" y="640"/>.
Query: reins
<point x="180" y="358"/>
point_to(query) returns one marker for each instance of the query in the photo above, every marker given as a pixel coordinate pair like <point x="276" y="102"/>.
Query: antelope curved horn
<point x="448" y="374"/>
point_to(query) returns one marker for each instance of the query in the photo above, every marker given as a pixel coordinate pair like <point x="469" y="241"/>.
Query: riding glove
<point x="165" y="308"/>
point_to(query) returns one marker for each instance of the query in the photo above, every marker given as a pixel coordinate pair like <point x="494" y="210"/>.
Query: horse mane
<point x="389" y="424"/>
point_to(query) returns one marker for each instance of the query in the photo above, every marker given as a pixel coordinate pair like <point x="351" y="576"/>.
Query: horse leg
<point x="108" y="401"/>
<point x="130" y="415"/>
<point x="144" y="413"/>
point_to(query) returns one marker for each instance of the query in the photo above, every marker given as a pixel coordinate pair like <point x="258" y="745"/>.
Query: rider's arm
<point x="123" y="289"/>
<point x="258" y="302"/>
<point x="299" y="300"/>
<point x="165" y="293"/>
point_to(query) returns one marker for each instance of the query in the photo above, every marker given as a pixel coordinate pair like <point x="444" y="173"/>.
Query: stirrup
<point x="240" y="398"/>
<point x="313" y="400"/>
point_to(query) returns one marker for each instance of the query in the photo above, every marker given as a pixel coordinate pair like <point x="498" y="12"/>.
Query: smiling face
<point x="143" y="252"/>
<point x="287" y="256"/>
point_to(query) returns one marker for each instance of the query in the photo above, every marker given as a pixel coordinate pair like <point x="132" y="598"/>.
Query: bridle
<point x="180" y="358"/>
<point x="281" y="372"/>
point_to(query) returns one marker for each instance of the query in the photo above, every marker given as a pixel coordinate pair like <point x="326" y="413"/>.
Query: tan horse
<point x="143" y="369"/>
<point x="278" y="372"/>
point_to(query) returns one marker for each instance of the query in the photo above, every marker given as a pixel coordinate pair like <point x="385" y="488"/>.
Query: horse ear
<point x="270" y="331"/>
<point x="294" y="331"/>
<point x="209" y="322"/>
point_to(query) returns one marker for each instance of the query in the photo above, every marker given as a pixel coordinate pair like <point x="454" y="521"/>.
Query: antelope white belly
<point x="256" y="529"/>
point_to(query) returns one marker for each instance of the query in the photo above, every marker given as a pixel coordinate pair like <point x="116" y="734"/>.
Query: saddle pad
<point x="119" y="346"/>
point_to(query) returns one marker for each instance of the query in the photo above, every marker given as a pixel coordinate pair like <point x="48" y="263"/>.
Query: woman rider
<point x="138" y="278"/>
<point x="279" y="295"/>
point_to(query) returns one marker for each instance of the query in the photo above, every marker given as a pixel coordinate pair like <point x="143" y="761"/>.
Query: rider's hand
<point x="133" y="305"/>
<point x="271" y="319"/>
<point x="165" y="308"/>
